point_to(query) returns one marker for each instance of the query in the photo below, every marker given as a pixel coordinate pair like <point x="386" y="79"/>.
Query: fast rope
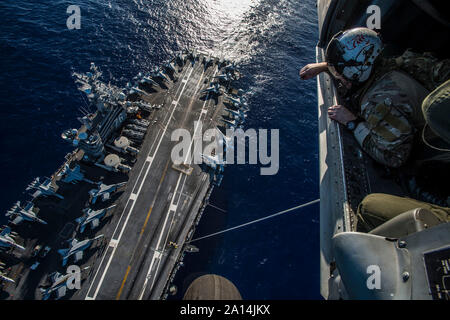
<point x="257" y="220"/>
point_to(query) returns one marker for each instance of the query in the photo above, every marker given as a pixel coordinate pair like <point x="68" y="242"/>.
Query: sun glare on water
<point x="231" y="8"/>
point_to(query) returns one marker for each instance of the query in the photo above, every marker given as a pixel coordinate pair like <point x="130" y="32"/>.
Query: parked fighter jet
<point x="225" y="141"/>
<point x="181" y="59"/>
<point x="236" y="100"/>
<point x="104" y="191"/>
<point x="59" y="285"/>
<point x="4" y="278"/>
<point x="207" y="61"/>
<point x="213" y="162"/>
<point x="224" y="77"/>
<point x="136" y="89"/>
<point x="76" y="248"/>
<point x="169" y="67"/>
<point x="159" y="74"/>
<point x="239" y="115"/>
<point x="43" y="189"/>
<point x="148" y="80"/>
<point x="214" y="89"/>
<point x="92" y="217"/>
<point x="216" y="168"/>
<point x="19" y="214"/>
<point x="230" y="124"/>
<point x="7" y="240"/>
<point x="230" y="67"/>
<point x="74" y="175"/>
<point x="192" y="56"/>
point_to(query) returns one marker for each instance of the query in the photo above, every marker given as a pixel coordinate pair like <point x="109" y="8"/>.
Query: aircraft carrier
<point x="119" y="208"/>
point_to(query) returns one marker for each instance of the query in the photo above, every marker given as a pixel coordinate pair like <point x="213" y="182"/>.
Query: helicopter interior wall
<point x="403" y="24"/>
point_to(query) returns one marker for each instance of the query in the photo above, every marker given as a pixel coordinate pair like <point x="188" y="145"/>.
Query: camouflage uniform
<point x="391" y="110"/>
<point x="391" y="105"/>
<point x="425" y="68"/>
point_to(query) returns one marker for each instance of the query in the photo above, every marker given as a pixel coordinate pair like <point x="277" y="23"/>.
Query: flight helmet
<point x="352" y="53"/>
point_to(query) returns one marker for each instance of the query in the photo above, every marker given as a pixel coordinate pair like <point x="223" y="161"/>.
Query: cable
<point x="257" y="220"/>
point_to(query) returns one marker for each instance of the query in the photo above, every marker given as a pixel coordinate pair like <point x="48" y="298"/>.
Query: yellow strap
<point x="385" y="133"/>
<point x="381" y="110"/>
<point x="398" y="124"/>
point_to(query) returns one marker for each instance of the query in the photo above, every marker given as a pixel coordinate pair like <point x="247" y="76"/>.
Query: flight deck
<point x="147" y="206"/>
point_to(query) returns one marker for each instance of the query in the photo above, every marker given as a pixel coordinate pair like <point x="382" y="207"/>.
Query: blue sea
<point x="269" y="39"/>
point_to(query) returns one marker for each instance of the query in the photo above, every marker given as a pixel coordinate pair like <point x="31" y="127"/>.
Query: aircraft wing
<point x="36" y="194"/>
<point x="79" y="255"/>
<point x="17" y="220"/>
<point x="29" y="206"/>
<point x="61" y="291"/>
<point x="5" y="231"/>
<point x="95" y="223"/>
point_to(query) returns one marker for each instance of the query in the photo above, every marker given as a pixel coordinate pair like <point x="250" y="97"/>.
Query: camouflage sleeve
<point x="425" y="68"/>
<point x="394" y="157"/>
<point x="391" y="158"/>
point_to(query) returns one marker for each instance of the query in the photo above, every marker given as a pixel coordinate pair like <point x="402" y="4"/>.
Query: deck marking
<point x="113" y="243"/>
<point x="148" y="276"/>
<point x="123" y="283"/>
<point x="143" y="228"/>
<point x="146" y="220"/>
<point x="131" y="209"/>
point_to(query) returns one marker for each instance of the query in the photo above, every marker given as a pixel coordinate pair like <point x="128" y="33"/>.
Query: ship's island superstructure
<point x="118" y="208"/>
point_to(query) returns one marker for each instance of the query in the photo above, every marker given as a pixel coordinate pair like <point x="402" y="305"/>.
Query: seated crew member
<point x="377" y="208"/>
<point x="388" y="100"/>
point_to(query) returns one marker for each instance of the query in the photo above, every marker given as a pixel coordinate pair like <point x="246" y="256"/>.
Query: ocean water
<point x="269" y="39"/>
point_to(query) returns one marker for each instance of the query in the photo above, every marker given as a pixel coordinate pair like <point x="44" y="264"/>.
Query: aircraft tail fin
<point x="9" y="213"/>
<point x="5" y="231"/>
<point x="81" y="220"/>
<point x="45" y="293"/>
<point x="63" y="252"/>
